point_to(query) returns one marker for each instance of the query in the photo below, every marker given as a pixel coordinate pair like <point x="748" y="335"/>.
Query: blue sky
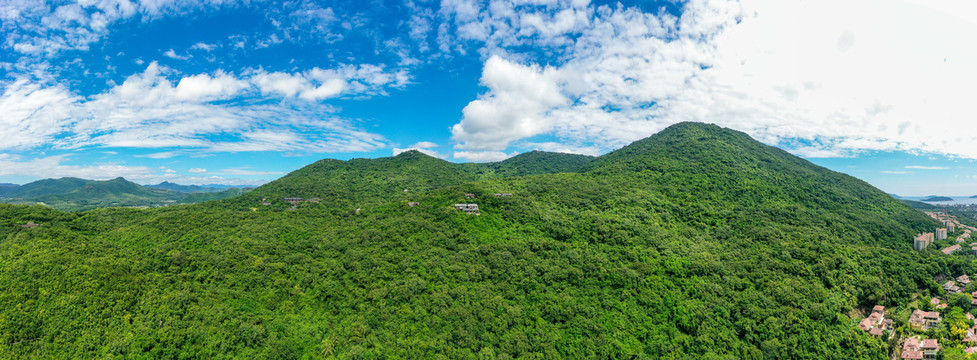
<point x="232" y="92"/>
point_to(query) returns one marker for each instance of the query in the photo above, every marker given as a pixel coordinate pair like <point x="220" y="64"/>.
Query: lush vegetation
<point x="73" y="194"/>
<point x="192" y="188"/>
<point x="698" y="242"/>
<point x="199" y="197"/>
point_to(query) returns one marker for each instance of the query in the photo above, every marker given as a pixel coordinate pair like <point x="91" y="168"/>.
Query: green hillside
<point x="696" y="243"/>
<point x="47" y="187"/>
<point x="358" y="182"/>
<point x="73" y="194"/>
<point x="539" y="162"/>
<point x="200" y="197"/>
<point x="191" y="188"/>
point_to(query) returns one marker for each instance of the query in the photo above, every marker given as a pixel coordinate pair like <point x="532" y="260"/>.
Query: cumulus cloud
<point x="515" y="107"/>
<point x="197" y="170"/>
<point x="773" y="69"/>
<point x="318" y="84"/>
<point x="505" y="24"/>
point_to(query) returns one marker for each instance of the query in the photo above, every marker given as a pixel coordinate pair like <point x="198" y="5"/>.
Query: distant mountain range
<point x="74" y="194"/>
<point x="937" y="198"/>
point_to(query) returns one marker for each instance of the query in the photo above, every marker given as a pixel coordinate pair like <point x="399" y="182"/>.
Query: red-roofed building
<point x="911" y="344"/>
<point x="921" y="241"/>
<point x="932" y="319"/>
<point x="930" y="348"/>
<point x="950" y="249"/>
<point x="917" y="320"/>
<point x="875" y="321"/>
<point x="866" y="324"/>
<point x="911" y="354"/>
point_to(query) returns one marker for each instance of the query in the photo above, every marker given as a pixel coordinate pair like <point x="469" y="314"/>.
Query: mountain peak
<point x="687" y="142"/>
<point x="413" y="154"/>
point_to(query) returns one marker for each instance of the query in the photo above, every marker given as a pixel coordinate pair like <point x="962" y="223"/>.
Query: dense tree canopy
<point x="695" y="243"/>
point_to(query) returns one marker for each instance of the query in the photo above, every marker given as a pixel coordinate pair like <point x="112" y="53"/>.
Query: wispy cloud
<point x="927" y="167"/>
<point x="482" y="156"/>
<point x="426" y="147"/>
<point x="203" y="46"/>
<point x="161" y="155"/>
<point x="218" y="111"/>
<point x="895" y="172"/>
<point x="173" y="55"/>
<point x="247" y="172"/>
<point x="59" y="166"/>
<point x="42" y="28"/>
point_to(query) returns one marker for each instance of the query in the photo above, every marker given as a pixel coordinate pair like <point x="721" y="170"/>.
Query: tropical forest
<point x="698" y="242"/>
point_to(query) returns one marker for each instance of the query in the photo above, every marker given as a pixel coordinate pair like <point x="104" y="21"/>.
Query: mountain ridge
<point x="75" y="194"/>
<point x="701" y="244"/>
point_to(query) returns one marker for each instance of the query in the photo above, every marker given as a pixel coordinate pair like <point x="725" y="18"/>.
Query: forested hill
<point x="539" y="162"/>
<point x="74" y="194"/>
<point x="707" y="164"/>
<point x="81" y="194"/>
<point x="358" y="182"/>
<point x="698" y="242"/>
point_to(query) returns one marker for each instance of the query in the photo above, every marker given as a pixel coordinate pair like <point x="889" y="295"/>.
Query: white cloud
<point x="172" y="55"/>
<point x="565" y="148"/>
<point x="927" y="167"/>
<point x="161" y="155"/>
<point x="247" y="172"/>
<point x="424" y="147"/>
<point x="32" y="115"/>
<point x="774" y="69"/>
<point x="54" y="167"/>
<point x="203" y="87"/>
<point x="59" y="166"/>
<point x="514" y="108"/>
<point x="482" y="156"/>
<point x="319" y="84"/>
<point x="44" y="28"/>
<point x="895" y="172"/>
<point x="213" y="112"/>
<point x="203" y="46"/>
<point x="505" y="24"/>
<point x="197" y="170"/>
